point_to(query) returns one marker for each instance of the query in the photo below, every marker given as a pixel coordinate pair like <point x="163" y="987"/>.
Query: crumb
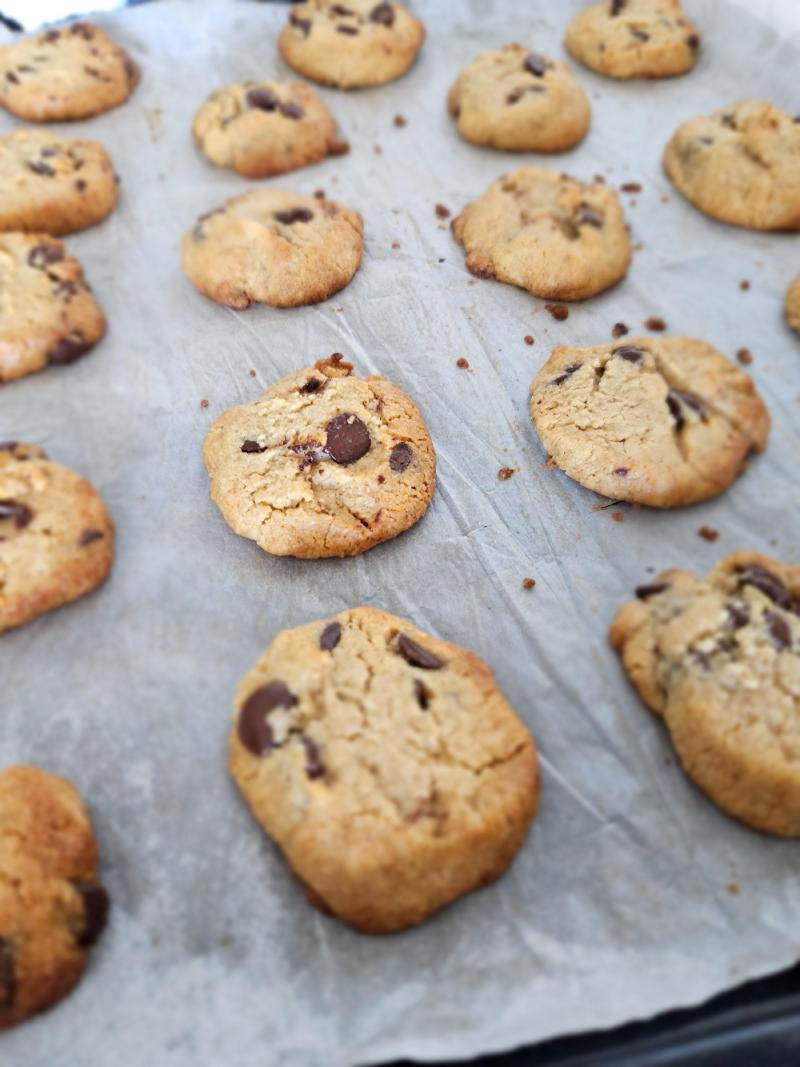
<point x="505" y="473"/>
<point x="528" y="583"/>
<point x="744" y="355"/>
<point x="707" y="533"/>
<point x="442" y="212"/>
<point x="733" y="889"/>
<point x="655" y="324"/>
<point x="376" y="148"/>
<point x="463" y="363"/>
<point x="339" y="148"/>
<point x="558" y="311"/>
<point x="600" y="179"/>
<point x="252" y="374"/>
<point x="528" y="339"/>
<point x="664" y="199"/>
<point x="400" y="121"/>
<point x="395" y="245"/>
<point x="631" y="187"/>
<point x="744" y="285"/>
<point x="638" y="247"/>
<point x="203" y="403"/>
<point x="617" y="516"/>
<point x="474" y="281"/>
<point x="550" y="462"/>
<point x="619" y="329"/>
<point x="320" y="194"/>
<point x="774" y="542"/>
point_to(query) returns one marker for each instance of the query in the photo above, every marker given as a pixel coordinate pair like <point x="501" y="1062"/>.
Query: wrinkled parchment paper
<point x="623" y="901"/>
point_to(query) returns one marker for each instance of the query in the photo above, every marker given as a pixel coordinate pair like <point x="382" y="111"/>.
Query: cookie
<point x="69" y="73"/>
<point x="52" y="906"/>
<point x="264" y="128"/>
<point x="547" y="233"/>
<point x="52" y="185"/>
<point x="271" y="246"/>
<point x="385" y="763"/>
<point x="47" y="313"/>
<point x="56" y="538"/>
<point x="323" y="464"/>
<point x="519" y="101"/>
<point x="350" y="45"/>
<point x="719" y="660"/>
<point x="664" y="422"/>
<point x="793" y="304"/>
<point x="740" y="165"/>
<point x="634" y="39"/>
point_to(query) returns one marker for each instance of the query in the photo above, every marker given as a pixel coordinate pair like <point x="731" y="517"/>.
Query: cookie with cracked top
<point x="719" y="660"/>
<point x="351" y="45"/>
<point x="52" y="907"/>
<point x="47" y="312"/>
<point x="520" y="101"/>
<point x="385" y="763"/>
<point x="659" y="421"/>
<point x="547" y="233"/>
<point x="56" y="537"/>
<point x="53" y="185"/>
<point x="72" y="72"/>
<point x="634" y="38"/>
<point x="323" y="464"/>
<point x="264" y="128"/>
<point x="740" y="165"/>
<point x="271" y="246"/>
<point x="793" y="304"/>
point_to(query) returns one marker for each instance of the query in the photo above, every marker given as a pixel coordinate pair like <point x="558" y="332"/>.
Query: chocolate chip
<point x="20" y="513"/>
<point x="629" y="352"/>
<point x="8" y="973"/>
<point x="655" y="324"/>
<point x="41" y="256"/>
<point x="621" y="471"/>
<point x="298" y="214"/>
<point x="644" y="592"/>
<point x="83" y="29"/>
<point x="300" y="23"/>
<point x="416" y="655"/>
<point x="616" y="7"/>
<point x="558" y="311"/>
<point x="313" y="385"/>
<point x="705" y="140"/>
<point x="80" y="185"/>
<point x="778" y="630"/>
<point x="38" y="167"/>
<point x="347" y="439"/>
<point x="693" y="42"/>
<point x="631" y="187"/>
<point x="767" y="583"/>
<point x="676" y="398"/>
<point x="253" y="446"/>
<point x="263" y="99"/>
<point x="384" y="14"/>
<point x="96" y="905"/>
<point x="253" y="729"/>
<point x="421" y="694"/>
<point x="88" y="536"/>
<point x="66" y="289"/>
<point x="536" y="64"/>
<point x="69" y="348"/>
<point x="291" y="110"/>
<point x="588" y="215"/>
<point x="351" y="31"/>
<point x="51" y="35"/>
<point x="11" y="77"/>
<point x="567" y="373"/>
<point x="442" y="212"/>
<point x="738" y="615"/>
<point x="400" y="458"/>
<point x="315" y="768"/>
<point x="640" y="35"/>
<point x="619" y="329"/>
<point x="340" y="9"/>
<point x="330" y="636"/>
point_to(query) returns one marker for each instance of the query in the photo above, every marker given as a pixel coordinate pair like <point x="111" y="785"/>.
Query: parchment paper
<point x="623" y="901"/>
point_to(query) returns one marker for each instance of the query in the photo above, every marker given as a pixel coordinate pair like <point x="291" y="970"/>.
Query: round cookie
<point x="322" y="464"/>
<point x="271" y="246"/>
<point x="793" y="304"/>
<point x="52" y="907"/>
<point x="69" y="73"/>
<point x="740" y="165"/>
<point x="56" y="538"/>
<point x="719" y="660"/>
<point x="519" y="101"/>
<point x="664" y="422"/>
<point x="52" y="185"/>
<point x="264" y="128"/>
<point x="385" y="763"/>
<point x="47" y="313"/>
<point x="351" y="45"/>
<point x="547" y="233"/>
<point x="634" y="38"/>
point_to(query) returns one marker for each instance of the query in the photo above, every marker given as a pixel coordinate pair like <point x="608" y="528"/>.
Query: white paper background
<point x="617" y="906"/>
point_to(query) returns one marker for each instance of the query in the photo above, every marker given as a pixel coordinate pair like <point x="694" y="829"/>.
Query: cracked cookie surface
<point x="351" y="45"/>
<point x="519" y="101"/>
<point x="275" y="247"/>
<point x="740" y="165"/>
<point x="719" y="660"/>
<point x="264" y="128"/>
<point x="69" y="73"/>
<point x="52" y="185"/>
<point x="547" y="233"/>
<point x="52" y="907"/>
<point x="322" y="464"/>
<point x="47" y="313"/>
<point x="664" y="422"/>
<point x="634" y="39"/>
<point x="793" y="304"/>
<point x="56" y="537"/>
<point x="385" y="763"/>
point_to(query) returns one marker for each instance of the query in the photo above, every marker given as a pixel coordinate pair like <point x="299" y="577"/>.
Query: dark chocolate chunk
<point x="778" y="630"/>
<point x="616" y="7"/>
<point x="290" y="110"/>
<point x="340" y="9"/>
<point x="640" y="35"/>
<point x="38" y="167"/>
<point x="536" y="64"/>
<point x="8" y="974"/>
<point x="300" y="23"/>
<point x="330" y="636"/>
<point x="41" y="256"/>
<point x="693" y="42"/>
<point x="253" y="446"/>
<point x="253" y="729"/>
<point x="644" y="592"/>
<point x="262" y="98"/>
<point x="384" y="14"/>
<point x="568" y="372"/>
<point x="11" y="77"/>
<point x="69" y="348"/>
<point x="298" y="214"/>
<point x="347" y="439"/>
<point x="629" y="352"/>
<point x="313" y="385"/>
<point x="588" y="215"/>
<point x="51" y="36"/>
<point x="677" y="399"/>
<point x="739" y="615"/>
<point x="767" y="583"/>
<point x="621" y="471"/>
<point x="315" y="768"/>
<point x="80" y="185"/>
<point x="416" y="655"/>
<point x="83" y="29"/>
<point x="89" y="536"/>
<point x="400" y="457"/>
<point x="96" y="905"/>
<point x="619" y="329"/>
<point x="350" y="31"/>
<point x="20" y="513"/>
<point x="421" y="694"/>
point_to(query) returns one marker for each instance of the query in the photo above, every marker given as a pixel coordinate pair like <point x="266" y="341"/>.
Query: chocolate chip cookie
<point x="47" y="313"/>
<point x="547" y="233"/>
<point x="271" y="246"/>
<point x="664" y="422"/>
<point x="350" y="45"/>
<point x="69" y="73"/>
<point x="56" y="538"/>
<point x="52" y="906"/>
<point x="323" y="464"/>
<point x="264" y="128"/>
<point x="793" y="304"/>
<point x="51" y="185"/>
<point x="385" y="763"/>
<point x="740" y="165"/>
<point x="719" y="660"/>
<point x="634" y="38"/>
<point x="519" y="101"/>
